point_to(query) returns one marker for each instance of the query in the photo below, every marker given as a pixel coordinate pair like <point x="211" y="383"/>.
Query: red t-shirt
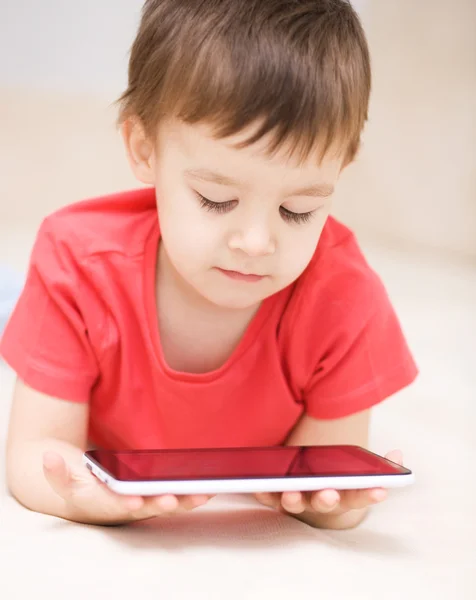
<point x="86" y="330"/>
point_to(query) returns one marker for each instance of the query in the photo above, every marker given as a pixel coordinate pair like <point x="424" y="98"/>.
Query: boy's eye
<point x="219" y="207"/>
<point x="293" y="217"/>
<point x="223" y="207"/>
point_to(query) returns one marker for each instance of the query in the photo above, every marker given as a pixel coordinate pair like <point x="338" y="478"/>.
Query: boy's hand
<point x="328" y="503"/>
<point x="88" y="500"/>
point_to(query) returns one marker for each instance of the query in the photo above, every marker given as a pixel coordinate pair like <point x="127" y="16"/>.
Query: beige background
<point x="415" y="182"/>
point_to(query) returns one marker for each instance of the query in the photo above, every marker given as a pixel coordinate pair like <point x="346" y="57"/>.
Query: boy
<point x="220" y="305"/>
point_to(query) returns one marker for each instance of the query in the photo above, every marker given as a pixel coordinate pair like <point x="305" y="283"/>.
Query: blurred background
<point x="410" y="196"/>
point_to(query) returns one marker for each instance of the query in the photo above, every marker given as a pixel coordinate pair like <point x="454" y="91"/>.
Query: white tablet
<point x="244" y="470"/>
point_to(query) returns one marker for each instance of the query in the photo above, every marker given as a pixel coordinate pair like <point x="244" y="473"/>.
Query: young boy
<point x="220" y="305"/>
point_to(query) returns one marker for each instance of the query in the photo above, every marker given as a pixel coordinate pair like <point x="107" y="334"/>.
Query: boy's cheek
<point x="294" y="260"/>
<point x="189" y="248"/>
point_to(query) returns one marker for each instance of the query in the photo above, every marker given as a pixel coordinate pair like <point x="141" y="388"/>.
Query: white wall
<point x="67" y="45"/>
<point x="416" y="179"/>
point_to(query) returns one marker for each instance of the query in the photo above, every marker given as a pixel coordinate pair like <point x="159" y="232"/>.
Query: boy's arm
<point x="330" y="509"/>
<point x="347" y="430"/>
<point x="39" y="424"/>
<point x="45" y="472"/>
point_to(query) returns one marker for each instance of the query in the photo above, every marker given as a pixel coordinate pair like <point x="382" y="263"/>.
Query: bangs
<point x="302" y="82"/>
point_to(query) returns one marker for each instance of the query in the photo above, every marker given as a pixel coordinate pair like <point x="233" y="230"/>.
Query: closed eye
<point x="218" y="207"/>
<point x="293" y="217"/>
<point x="224" y="207"/>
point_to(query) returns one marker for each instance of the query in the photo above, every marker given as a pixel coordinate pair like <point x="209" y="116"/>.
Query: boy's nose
<point x="253" y="241"/>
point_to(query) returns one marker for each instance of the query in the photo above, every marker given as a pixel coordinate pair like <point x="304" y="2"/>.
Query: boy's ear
<point x="139" y="149"/>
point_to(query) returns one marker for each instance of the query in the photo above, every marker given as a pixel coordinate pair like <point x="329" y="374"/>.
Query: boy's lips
<point x="238" y="276"/>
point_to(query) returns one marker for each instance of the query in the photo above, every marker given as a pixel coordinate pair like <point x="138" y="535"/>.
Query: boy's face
<point x="237" y="225"/>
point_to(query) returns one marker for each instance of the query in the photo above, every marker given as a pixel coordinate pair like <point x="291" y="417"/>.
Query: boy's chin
<point x="234" y="301"/>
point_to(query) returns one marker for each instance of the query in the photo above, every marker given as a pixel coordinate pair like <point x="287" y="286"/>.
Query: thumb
<point x="395" y="456"/>
<point x="57" y="474"/>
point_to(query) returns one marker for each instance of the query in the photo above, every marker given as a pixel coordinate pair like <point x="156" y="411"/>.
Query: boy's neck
<point x="187" y="320"/>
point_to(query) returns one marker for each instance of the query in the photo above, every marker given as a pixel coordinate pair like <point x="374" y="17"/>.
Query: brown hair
<point x="298" y="68"/>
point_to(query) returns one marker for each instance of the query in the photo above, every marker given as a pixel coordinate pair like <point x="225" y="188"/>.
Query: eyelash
<point x="298" y="218"/>
<point x="223" y="207"/>
<point x="218" y="207"/>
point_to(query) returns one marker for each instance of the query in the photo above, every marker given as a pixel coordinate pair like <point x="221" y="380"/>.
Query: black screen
<point x="243" y="463"/>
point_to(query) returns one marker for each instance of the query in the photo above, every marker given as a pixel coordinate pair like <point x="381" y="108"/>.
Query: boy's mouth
<point x="237" y="276"/>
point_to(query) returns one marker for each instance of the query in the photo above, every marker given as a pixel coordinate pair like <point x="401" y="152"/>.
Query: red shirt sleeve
<point x="46" y="340"/>
<point x="364" y="356"/>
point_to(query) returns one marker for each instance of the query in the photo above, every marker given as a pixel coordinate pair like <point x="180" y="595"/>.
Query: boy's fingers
<point x="111" y="503"/>
<point x="166" y="503"/>
<point x="194" y="501"/>
<point x="57" y="474"/>
<point x="357" y="499"/>
<point x="269" y="499"/>
<point x="132" y="503"/>
<point x="325" y="501"/>
<point x="293" y="502"/>
<point x="169" y="504"/>
<point x="65" y="483"/>
<point x="89" y="486"/>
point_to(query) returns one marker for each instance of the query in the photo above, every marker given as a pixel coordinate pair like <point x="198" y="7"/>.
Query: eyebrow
<point x="320" y="189"/>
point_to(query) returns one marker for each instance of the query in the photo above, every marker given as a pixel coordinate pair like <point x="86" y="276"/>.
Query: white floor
<point x="421" y="543"/>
